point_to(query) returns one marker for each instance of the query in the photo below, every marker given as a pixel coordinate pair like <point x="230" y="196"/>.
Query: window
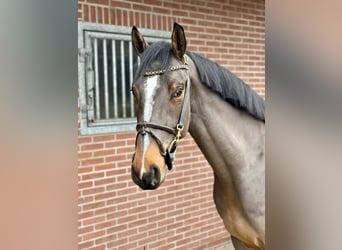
<point x="106" y="66"/>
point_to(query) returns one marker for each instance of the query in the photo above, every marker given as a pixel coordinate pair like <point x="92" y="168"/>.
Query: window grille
<point x="106" y="66"/>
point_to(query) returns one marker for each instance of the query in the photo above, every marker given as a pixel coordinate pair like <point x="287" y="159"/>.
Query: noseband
<point x="145" y="127"/>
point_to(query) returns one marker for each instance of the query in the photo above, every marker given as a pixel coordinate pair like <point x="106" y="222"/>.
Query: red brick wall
<point x="113" y="212"/>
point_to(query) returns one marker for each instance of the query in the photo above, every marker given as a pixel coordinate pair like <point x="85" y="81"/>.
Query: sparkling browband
<point x="160" y="72"/>
<point x="174" y="68"/>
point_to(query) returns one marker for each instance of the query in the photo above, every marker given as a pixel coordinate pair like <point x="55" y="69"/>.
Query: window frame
<point x="86" y="30"/>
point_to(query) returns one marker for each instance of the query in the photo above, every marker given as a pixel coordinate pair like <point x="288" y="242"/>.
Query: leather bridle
<point x="145" y="127"/>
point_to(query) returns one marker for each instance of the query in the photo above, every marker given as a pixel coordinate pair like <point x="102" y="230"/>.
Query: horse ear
<point x="138" y="41"/>
<point x="178" y="41"/>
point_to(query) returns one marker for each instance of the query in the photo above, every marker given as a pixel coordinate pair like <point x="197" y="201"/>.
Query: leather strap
<point x="143" y="125"/>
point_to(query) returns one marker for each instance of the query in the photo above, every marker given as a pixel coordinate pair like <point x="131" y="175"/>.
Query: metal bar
<point x="97" y="88"/>
<point x="130" y="51"/>
<point x="115" y="87"/>
<point x="123" y="78"/>
<point x="105" y="73"/>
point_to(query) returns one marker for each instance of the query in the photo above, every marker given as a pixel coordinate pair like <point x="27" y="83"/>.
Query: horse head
<point x="161" y="91"/>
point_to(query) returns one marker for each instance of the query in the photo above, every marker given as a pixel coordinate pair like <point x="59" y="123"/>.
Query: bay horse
<point x="177" y="91"/>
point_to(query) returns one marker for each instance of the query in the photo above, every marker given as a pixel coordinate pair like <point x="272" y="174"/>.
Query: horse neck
<point x="229" y="138"/>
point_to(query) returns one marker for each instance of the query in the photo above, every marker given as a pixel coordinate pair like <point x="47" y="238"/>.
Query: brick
<point x="191" y="245"/>
<point x="116" y="186"/>
<point x="115" y="158"/>
<point x="116" y="228"/>
<point x="118" y="17"/>
<point x="117" y="243"/>
<point x="112" y="15"/>
<point x="84" y="139"/>
<point x="162" y="11"/>
<point x="82" y="155"/>
<point x="156" y="218"/>
<point x="126" y="178"/>
<point x="104" y="167"/>
<point x="106" y="239"/>
<point x="138" y="236"/>
<point x="103" y="2"/>
<point x="92" y="161"/>
<point x="81" y="170"/>
<point x="99" y="14"/>
<point x="213" y="5"/>
<point x="85" y="199"/>
<point x="92" y="17"/>
<point x="92" y="191"/>
<point x="121" y="4"/>
<point x="84" y="230"/>
<point x="82" y="215"/>
<point x="116" y="215"/>
<point x="129" y="246"/>
<point x="104" y="152"/>
<point x="105" y="210"/>
<point x="175" y="238"/>
<point x="127" y="219"/>
<point x="92" y="176"/>
<point x="93" y="205"/>
<point x="125" y="17"/>
<point x="102" y="138"/>
<point x="171" y="5"/>
<point x="153" y="2"/>
<point x="116" y="200"/>
<point x="104" y="181"/>
<point x="82" y="185"/>
<point x="205" y="10"/>
<point x="138" y="222"/>
<point x="92" y="146"/>
<point x="140" y="7"/>
<point x="105" y="195"/>
<point x="183" y="241"/>
<point x="93" y="235"/>
<point x="146" y="241"/>
<point x="158" y="244"/>
<point x="94" y="220"/>
<point x="101" y="247"/>
<point x="180" y="13"/>
<point x="172" y="226"/>
<point x="85" y="245"/>
<point x="105" y="15"/>
<point x="137" y="20"/>
<point x="123" y="150"/>
<point x="126" y="165"/>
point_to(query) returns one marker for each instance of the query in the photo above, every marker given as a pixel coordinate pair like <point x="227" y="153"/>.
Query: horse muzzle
<point x="149" y="180"/>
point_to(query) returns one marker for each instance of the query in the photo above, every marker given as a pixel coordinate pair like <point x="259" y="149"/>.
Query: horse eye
<point x="133" y="91"/>
<point x="178" y="92"/>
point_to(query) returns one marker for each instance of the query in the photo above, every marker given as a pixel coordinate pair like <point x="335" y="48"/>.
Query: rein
<point x="145" y="127"/>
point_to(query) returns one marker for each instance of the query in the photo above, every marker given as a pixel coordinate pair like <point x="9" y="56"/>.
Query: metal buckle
<point x="179" y="128"/>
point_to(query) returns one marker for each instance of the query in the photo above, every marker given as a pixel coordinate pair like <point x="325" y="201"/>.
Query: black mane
<point x="229" y="86"/>
<point x="215" y="77"/>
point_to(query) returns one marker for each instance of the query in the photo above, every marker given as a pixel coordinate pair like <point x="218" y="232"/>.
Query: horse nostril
<point x="135" y="176"/>
<point x="156" y="173"/>
<point x="151" y="179"/>
<point x="155" y="176"/>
